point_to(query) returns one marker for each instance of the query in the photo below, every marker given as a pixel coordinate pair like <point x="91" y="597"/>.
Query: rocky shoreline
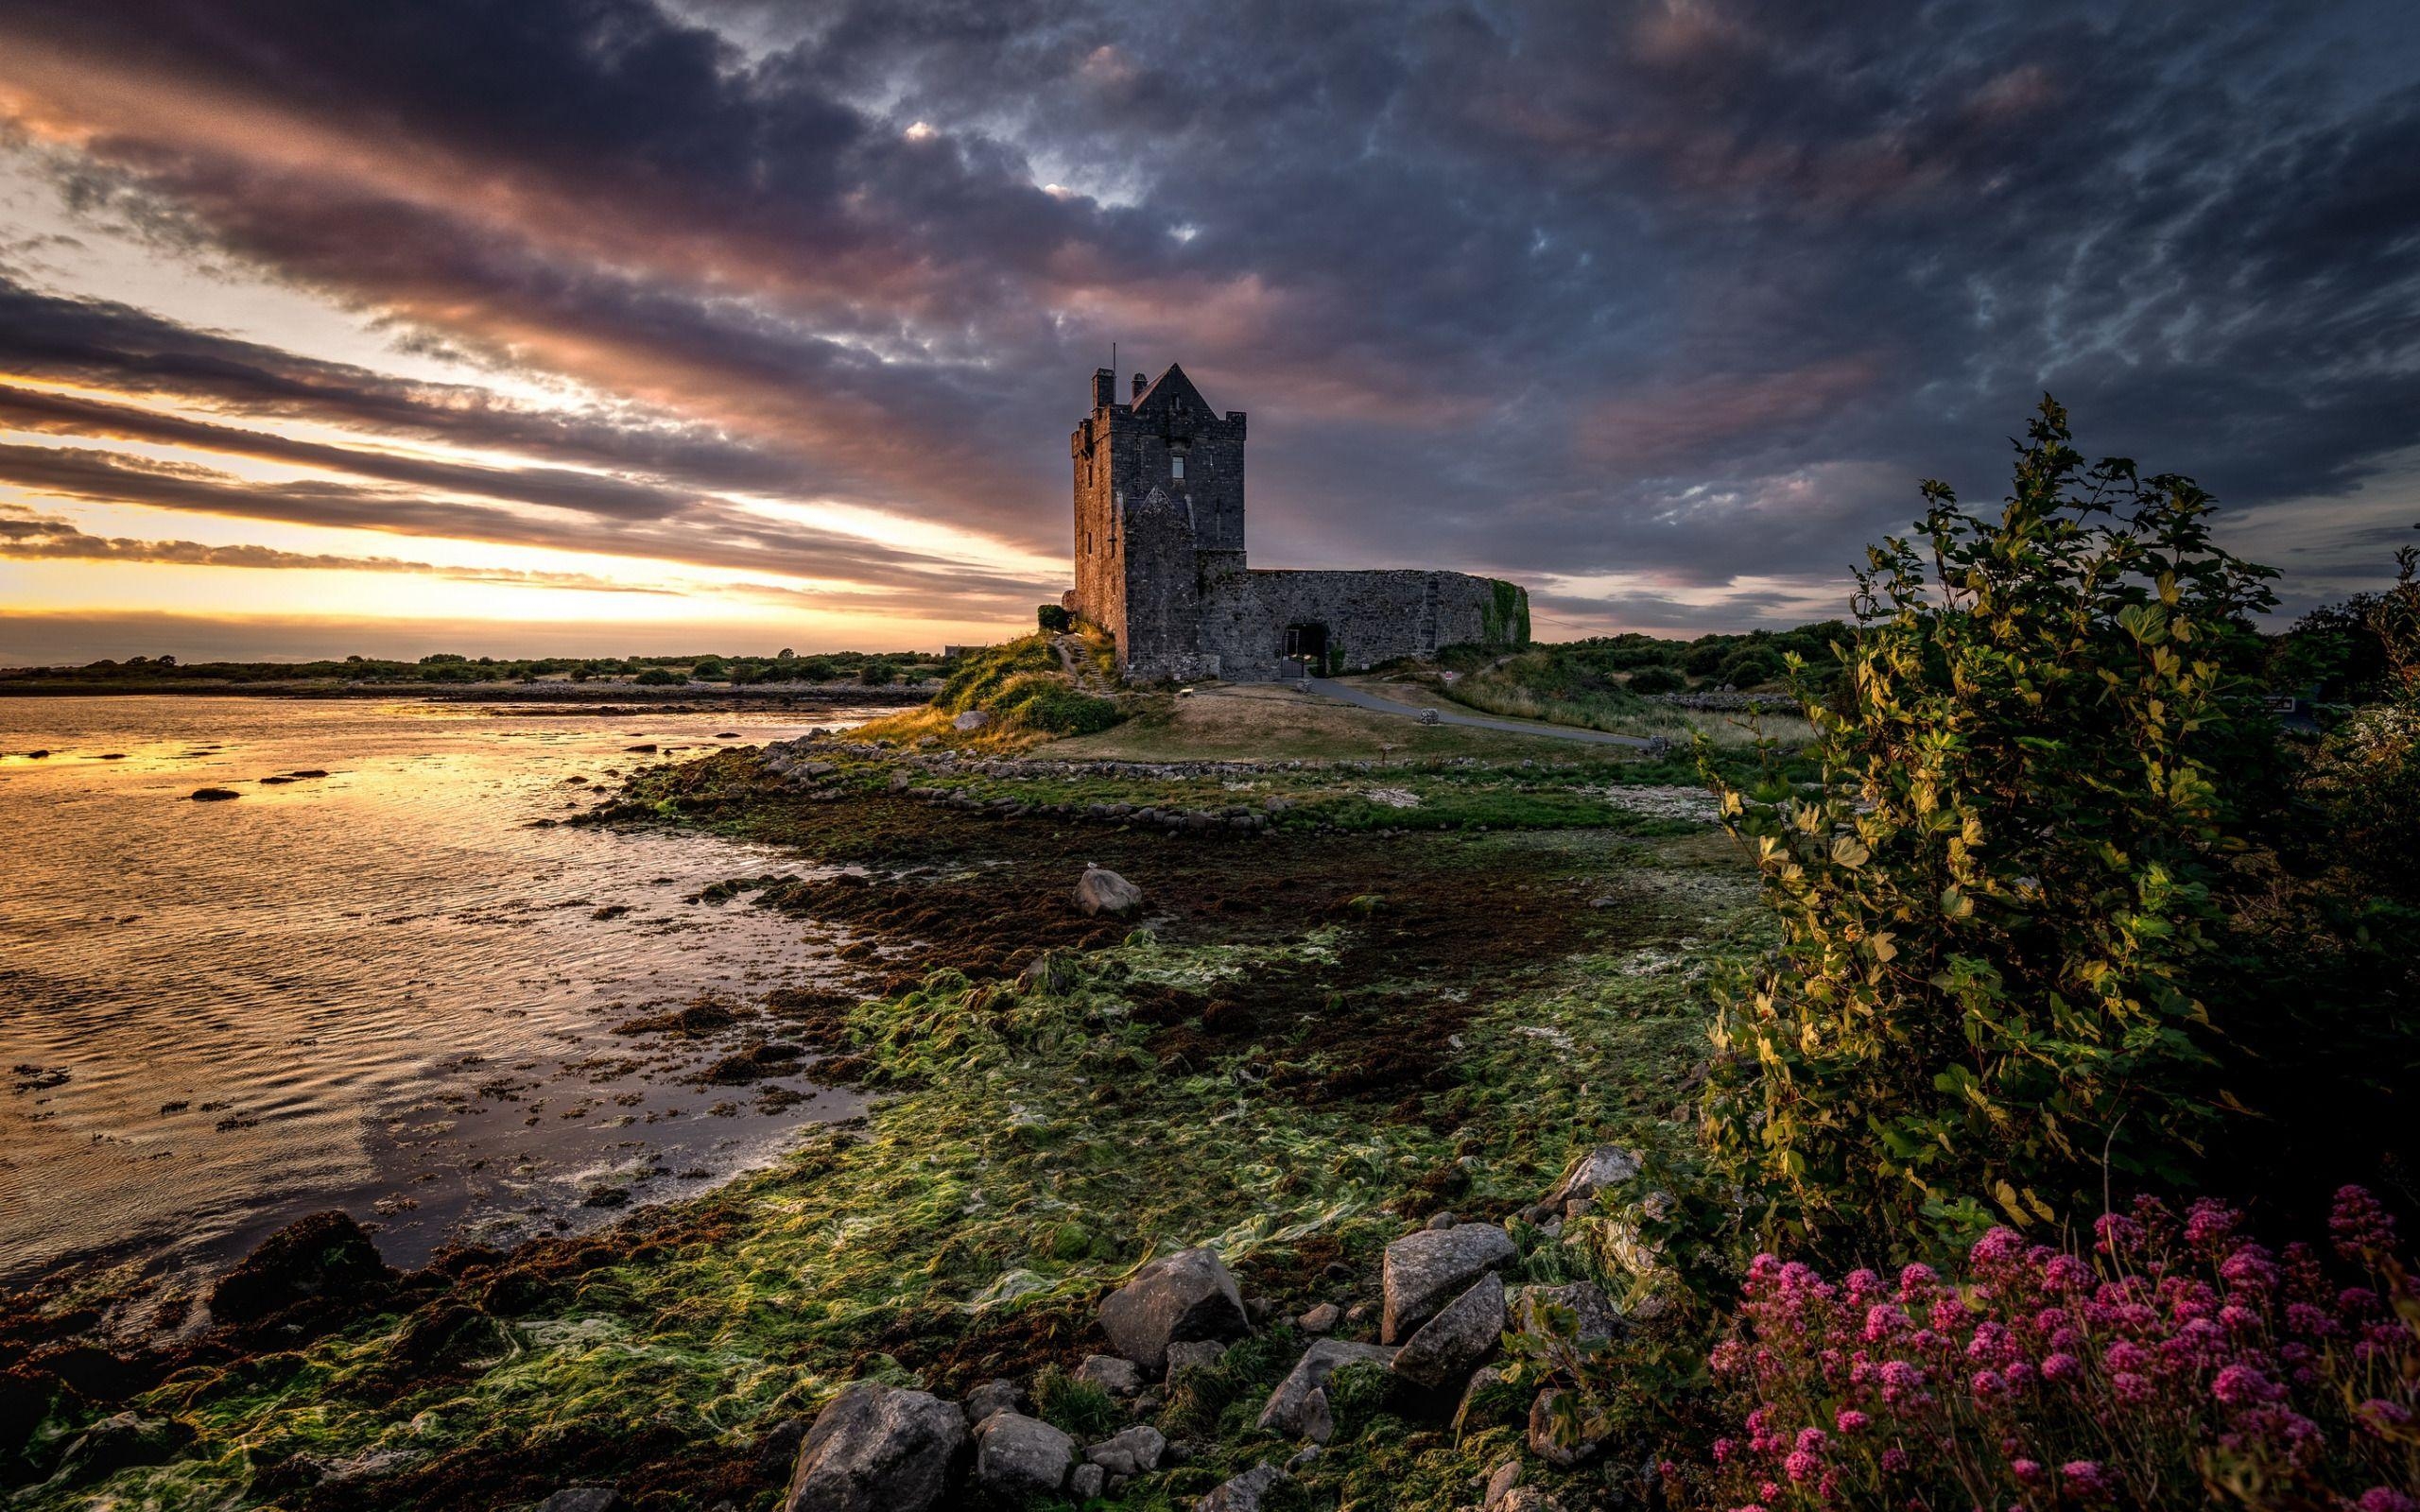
<point x="1336" y="1021"/>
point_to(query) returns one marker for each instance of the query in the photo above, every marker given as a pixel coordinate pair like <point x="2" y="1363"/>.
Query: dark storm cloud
<point x="1696" y="290"/>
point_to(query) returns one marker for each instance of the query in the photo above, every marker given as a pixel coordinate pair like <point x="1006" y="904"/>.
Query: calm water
<point x="383" y="989"/>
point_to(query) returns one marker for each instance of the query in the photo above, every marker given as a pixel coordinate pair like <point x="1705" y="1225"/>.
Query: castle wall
<point x="1369" y="617"/>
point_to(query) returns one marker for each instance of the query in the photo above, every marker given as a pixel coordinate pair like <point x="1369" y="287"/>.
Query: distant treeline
<point x="871" y="668"/>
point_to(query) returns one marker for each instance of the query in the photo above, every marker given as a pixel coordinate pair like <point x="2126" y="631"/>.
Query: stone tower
<point x="1159" y="485"/>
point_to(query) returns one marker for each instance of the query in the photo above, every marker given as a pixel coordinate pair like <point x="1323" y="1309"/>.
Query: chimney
<point x="1141" y="383"/>
<point x="1104" y="388"/>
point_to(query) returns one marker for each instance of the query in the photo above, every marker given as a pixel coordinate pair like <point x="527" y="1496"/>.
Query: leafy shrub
<point x="1994" y="911"/>
<point x="1652" y="680"/>
<point x="1054" y="619"/>
<point x="659" y="677"/>
<point x="2180" y="1358"/>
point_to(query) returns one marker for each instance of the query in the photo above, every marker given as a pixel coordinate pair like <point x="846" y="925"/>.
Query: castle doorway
<point x="1307" y="643"/>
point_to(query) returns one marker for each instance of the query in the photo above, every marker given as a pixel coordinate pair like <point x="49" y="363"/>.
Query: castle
<point x="1160" y="559"/>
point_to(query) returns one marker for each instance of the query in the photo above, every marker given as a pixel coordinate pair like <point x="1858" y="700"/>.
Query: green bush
<point x="1053" y="619"/>
<point x="1649" y="681"/>
<point x="659" y="677"/>
<point x="1993" y="913"/>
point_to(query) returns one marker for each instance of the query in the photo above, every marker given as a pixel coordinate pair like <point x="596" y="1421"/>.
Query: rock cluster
<point x="1445" y="1310"/>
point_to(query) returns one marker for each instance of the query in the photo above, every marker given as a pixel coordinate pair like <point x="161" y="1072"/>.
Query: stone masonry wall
<point x="1370" y="616"/>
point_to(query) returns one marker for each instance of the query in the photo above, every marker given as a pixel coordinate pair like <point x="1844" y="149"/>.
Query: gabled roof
<point x="1175" y="385"/>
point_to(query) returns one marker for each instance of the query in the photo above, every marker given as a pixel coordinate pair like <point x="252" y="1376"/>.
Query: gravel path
<point x="1329" y="687"/>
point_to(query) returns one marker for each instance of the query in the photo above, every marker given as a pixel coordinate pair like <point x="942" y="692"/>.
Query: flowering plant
<point x="2181" y="1363"/>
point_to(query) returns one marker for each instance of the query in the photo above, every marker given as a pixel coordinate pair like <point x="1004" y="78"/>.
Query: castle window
<point x="1176" y="465"/>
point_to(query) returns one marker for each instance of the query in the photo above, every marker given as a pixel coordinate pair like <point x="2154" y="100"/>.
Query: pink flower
<point x="2126" y="1356"/>
<point x="2131" y="1387"/>
<point x="2362" y="1228"/>
<point x="1723" y="1449"/>
<point x="2027" y="1471"/>
<point x="2061" y="1367"/>
<point x="1996" y="1248"/>
<point x="1882" y="1320"/>
<point x="2382" y="1499"/>
<point x="2379" y="1415"/>
<point x="1987" y="1384"/>
<point x="1863" y="1282"/>
<point x="1726" y="1357"/>
<point x="2083" y="1477"/>
<point x="2240" y="1386"/>
<point x="2116" y="1234"/>
<point x="1801" y="1466"/>
<point x="2208" y="1222"/>
<point x="1810" y="1440"/>
<point x="1894" y="1459"/>
<point x="1916" y="1280"/>
<point x="1850" y="1420"/>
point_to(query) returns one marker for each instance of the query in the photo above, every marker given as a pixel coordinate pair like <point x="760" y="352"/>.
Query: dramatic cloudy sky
<point x="605" y="324"/>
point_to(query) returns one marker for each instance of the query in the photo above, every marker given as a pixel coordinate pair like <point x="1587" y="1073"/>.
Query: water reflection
<point x="381" y="989"/>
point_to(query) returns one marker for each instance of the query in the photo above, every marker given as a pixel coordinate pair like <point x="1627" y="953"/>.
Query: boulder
<point x="584" y="1499"/>
<point x="1320" y="1319"/>
<point x="1119" y="1378"/>
<point x="1500" y="1483"/>
<point x="1424" y="1270"/>
<point x="1597" y="1316"/>
<point x="1463" y="1333"/>
<point x="1247" y="1492"/>
<point x="1102" y="891"/>
<point x="1134" y="1452"/>
<point x="1607" y="1165"/>
<point x="1176" y="1298"/>
<point x="972" y="719"/>
<point x="1318" y="1417"/>
<point x="1290" y="1405"/>
<point x="991" y="1396"/>
<point x="325" y="1258"/>
<point x="877" y="1449"/>
<point x="1194" y="1354"/>
<point x="1086" y="1482"/>
<point x="1021" y="1456"/>
<point x="1542" y="1441"/>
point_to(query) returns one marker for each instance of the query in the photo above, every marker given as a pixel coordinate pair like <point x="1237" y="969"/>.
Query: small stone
<point x="1290" y="1402"/>
<point x="1500" y="1483"/>
<point x="972" y="719"/>
<point x="1542" y="1441"/>
<point x="1086" y="1482"/>
<point x="1482" y="1378"/>
<point x="1440" y="1221"/>
<point x="1179" y="1299"/>
<point x="1319" y="1419"/>
<point x="1424" y="1270"/>
<point x="1597" y="1317"/>
<point x="1305" y="1456"/>
<point x="877" y="1449"/>
<point x="584" y="1499"/>
<point x="1195" y="1354"/>
<point x="1529" y="1499"/>
<point x="1119" y="1378"/>
<point x="1320" y="1319"/>
<point x="1016" y="1456"/>
<point x="1607" y="1165"/>
<point x="991" y="1396"/>
<point x="1462" y="1335"/>
<point x="1102" y="891"/>
<point x="1146" y="1404"/>
<point x="1134" y="1452"/>
<point x="1247" y="1492"/>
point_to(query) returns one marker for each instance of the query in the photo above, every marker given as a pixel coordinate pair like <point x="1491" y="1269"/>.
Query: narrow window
<point x="1176" y="466"/>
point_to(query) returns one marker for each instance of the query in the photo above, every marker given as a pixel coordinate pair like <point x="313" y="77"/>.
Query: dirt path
<point x="1329" y="687"/>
